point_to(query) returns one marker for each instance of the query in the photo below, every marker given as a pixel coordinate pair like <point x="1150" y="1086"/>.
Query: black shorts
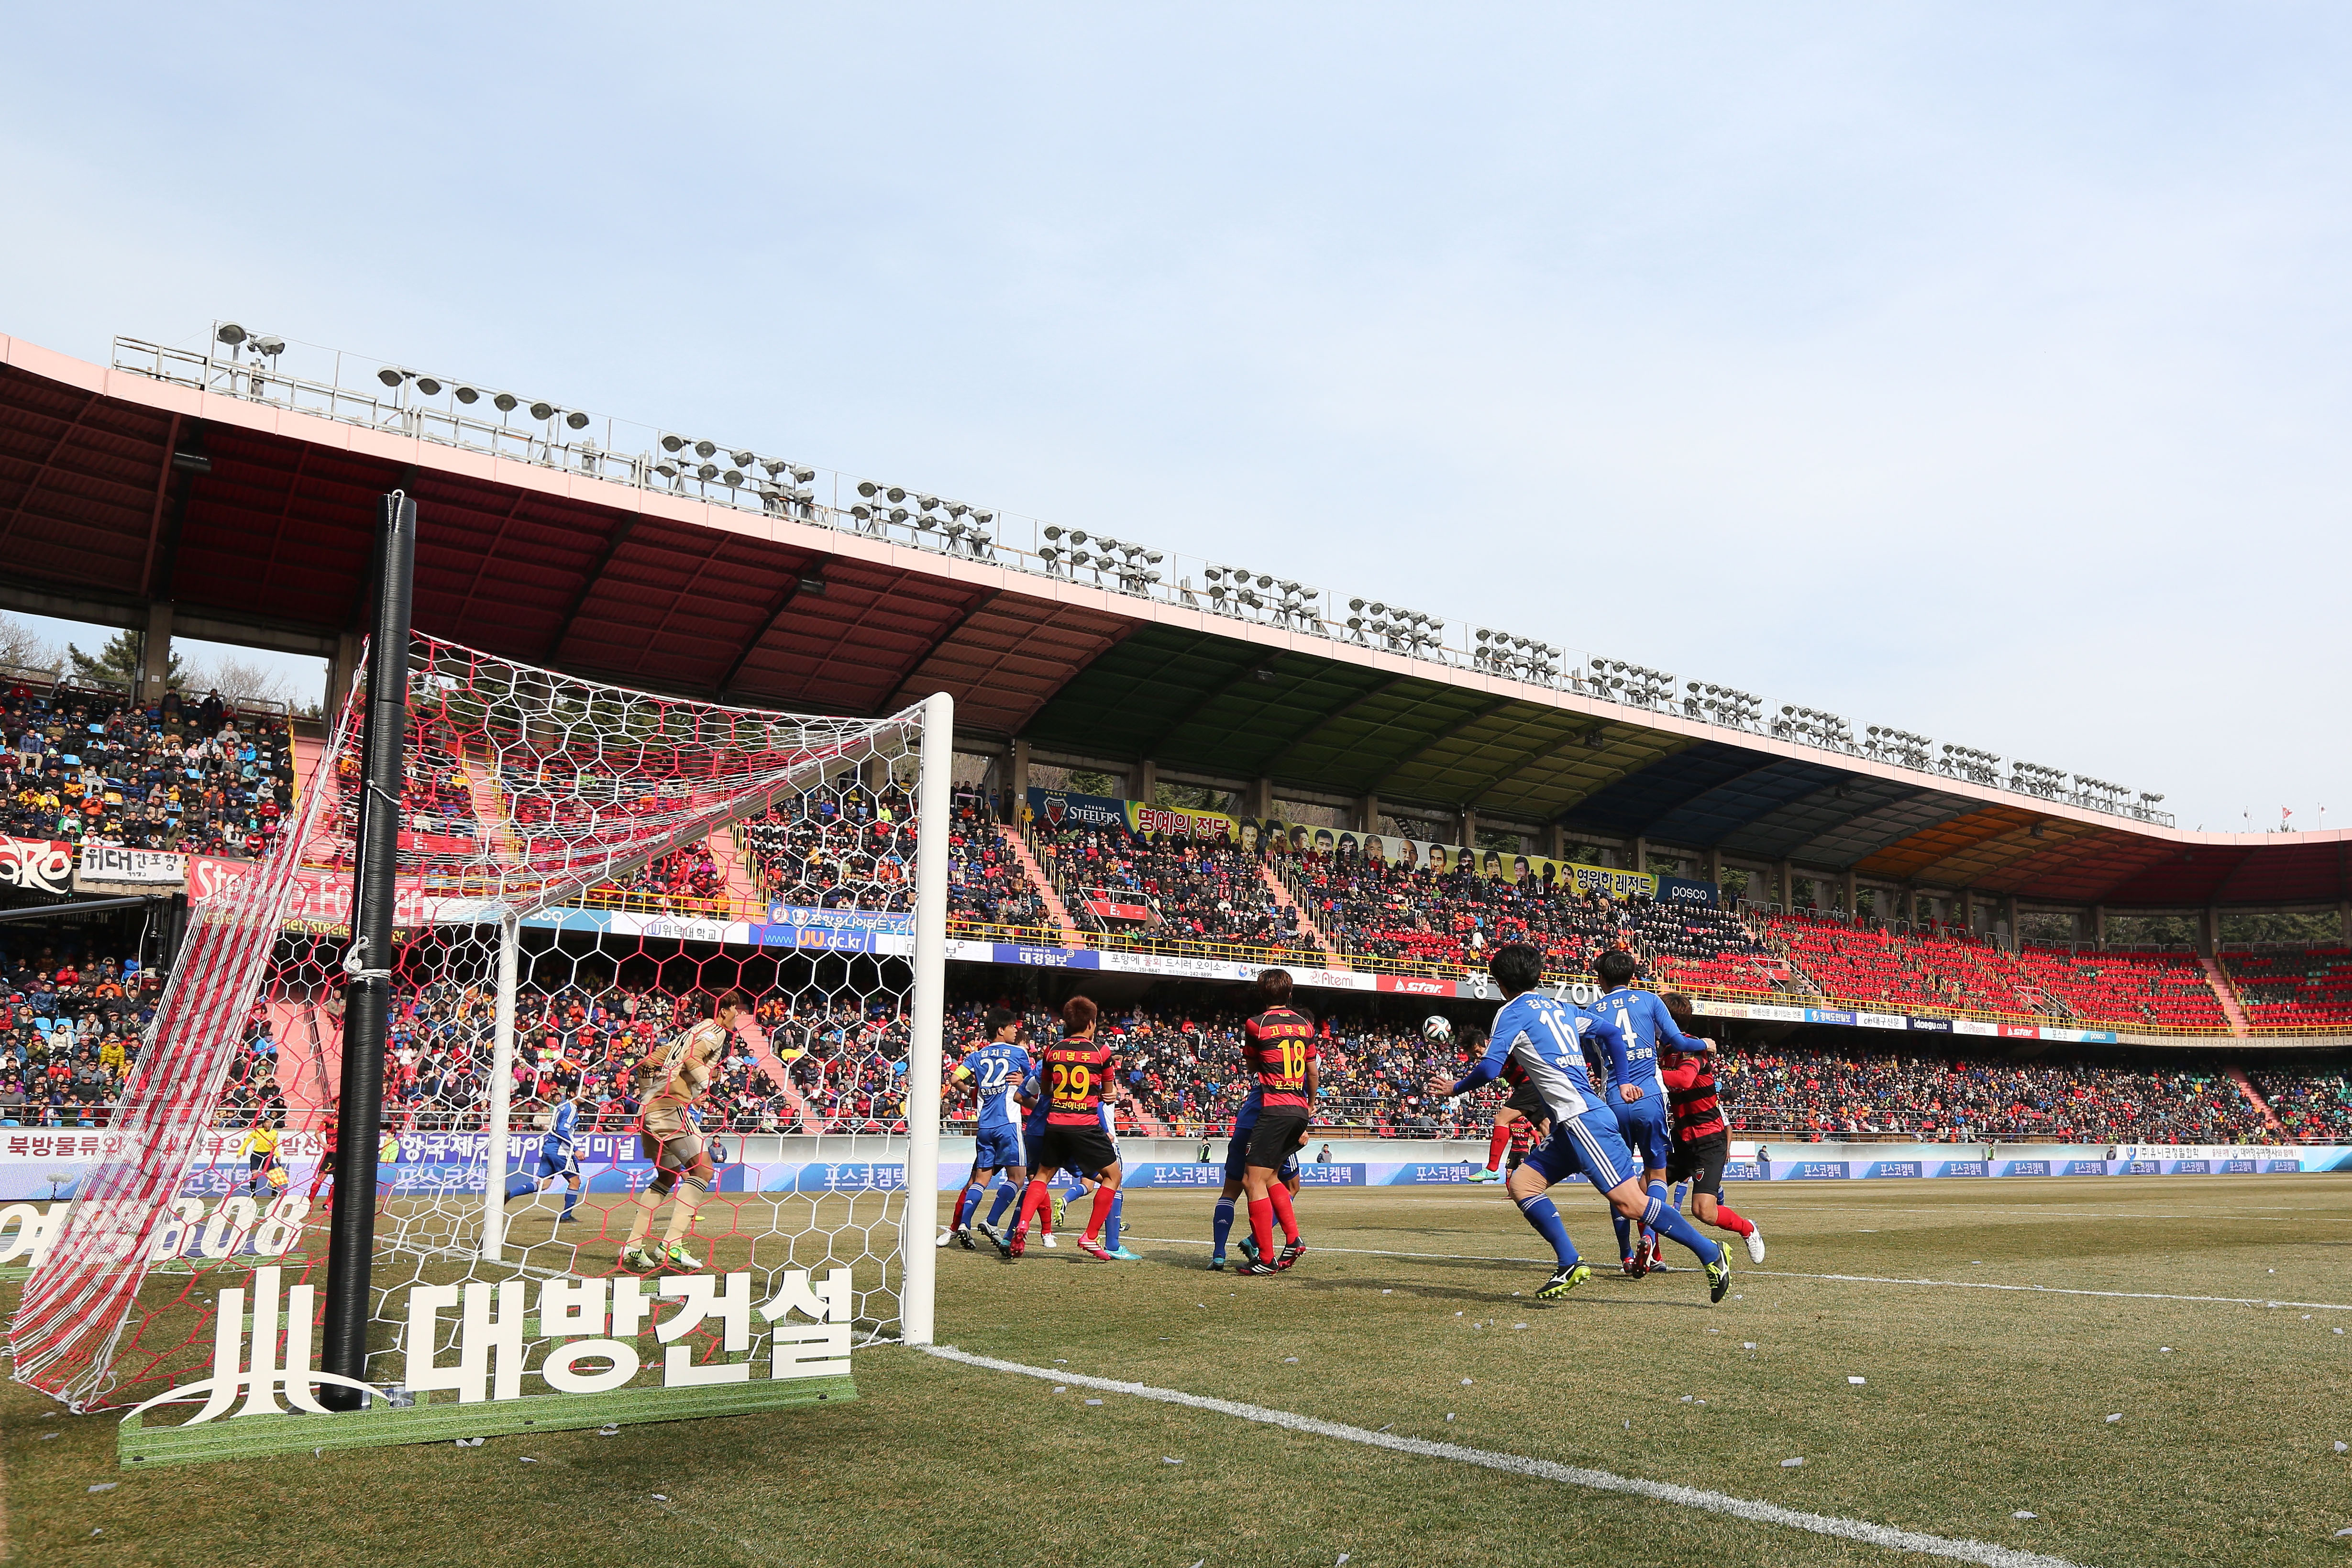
<point x="1281" y="1131"/>
<point x="1528" y="1101"/>
<point x="1086" y="1150"/>
<point x="1700" y="1162"/>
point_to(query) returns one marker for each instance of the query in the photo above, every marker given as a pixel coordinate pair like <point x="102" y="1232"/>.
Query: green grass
<point x="1979" y="1403"/>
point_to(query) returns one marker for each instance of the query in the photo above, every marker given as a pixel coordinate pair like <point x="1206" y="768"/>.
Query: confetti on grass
<point x="469" y="1442"/>
<point x="1166" y="1460"/>
<point x="1094" y="1402"/>
<point x="105" y="1486"/>
<point x="2118" y="1416"/>
<point x="2020" y="1513"/>
<point x="1857" y="1380"/>
<point x="1791" y="1464"/>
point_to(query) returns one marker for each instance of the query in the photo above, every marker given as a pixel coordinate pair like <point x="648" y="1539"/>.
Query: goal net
<point x="586" y="876"/>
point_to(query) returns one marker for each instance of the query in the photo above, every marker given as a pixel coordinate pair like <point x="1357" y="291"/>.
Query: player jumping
<point x="669" y="1081"/>
<point x="1278" y="1047"/>
<point x="1542" y="1033"/>
<point x="1701" y="1139"/>
<point x="999" y="1068"/>
<point x="1075" y="1074"/>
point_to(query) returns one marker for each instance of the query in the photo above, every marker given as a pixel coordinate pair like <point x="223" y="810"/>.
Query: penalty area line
<point x="1753" y="1511"/>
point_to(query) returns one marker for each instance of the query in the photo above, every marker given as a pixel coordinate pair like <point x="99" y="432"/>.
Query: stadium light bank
<point x="472" y="415"/>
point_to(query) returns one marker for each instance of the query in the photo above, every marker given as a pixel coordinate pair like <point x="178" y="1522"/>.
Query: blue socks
<point x="1221" y="1226"/>
<point x="571" y="1199"/>
<point x="1682" y="1191"/>
<point x="1005" y="1193"/>
<point x="1110" y="1225"/>
<point x="522" y="1187"/>
<point x="1624" y="1233"/>
<point x="1662" y="1219"/>
<point x="966" y="1201"/>
<point x="1546" y="1220"/>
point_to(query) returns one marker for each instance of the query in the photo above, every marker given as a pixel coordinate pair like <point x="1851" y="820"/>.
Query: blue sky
<point x="1978" y="370"/>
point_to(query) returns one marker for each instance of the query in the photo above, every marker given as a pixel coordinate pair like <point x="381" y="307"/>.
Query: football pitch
<point x="1945" y="1357"/>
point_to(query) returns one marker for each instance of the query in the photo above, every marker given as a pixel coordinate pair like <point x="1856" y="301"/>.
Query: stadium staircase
<point x="743" y="895"/>
<point x="1332" y="957"/>
<point x="489" y="804"/>
<point x="1019" y="848"/>
<point x="1802" y="983"/>
<point x="2232" y="1009"/>
<point x="310" y="745"/>
<point x="2254" y="1098"/>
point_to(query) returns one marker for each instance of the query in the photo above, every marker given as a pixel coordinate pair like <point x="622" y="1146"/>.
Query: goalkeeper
<point x="669" y="1081"/>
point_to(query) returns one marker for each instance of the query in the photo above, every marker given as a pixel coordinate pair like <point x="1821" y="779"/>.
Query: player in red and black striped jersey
<point x="1072" y="1077"/>
<point x="1702" y="1138"/>
<point x="1516" y="1119"/>
<point x="1278" y="1051"/>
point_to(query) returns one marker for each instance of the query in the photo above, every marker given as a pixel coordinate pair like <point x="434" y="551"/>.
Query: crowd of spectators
<point x="841" y="847"/>
<point x="1186" y="892"/>
<point x="1448" y="920"/>
<point x="2313" y="1107"/>
<point x="685" y="882"/>
<point x="986" y="882"/>
<point x="70" y="1024"/>
<point x="1833" y="1094"/>
<point x="92" y="765"/>
<point x="2308" y="988"/>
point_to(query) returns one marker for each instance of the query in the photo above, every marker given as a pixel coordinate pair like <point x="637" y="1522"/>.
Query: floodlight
<point x="577" y="420"/>
<point x="271" y="347"/>
<point x="701" y="449"/>
<point x="389" y="376"/>
<point x="896" y="494"/>
<point x="428" y="386"/>
<point x="744" y="459"/>
<point x="547" y="411"/>
<point x="733" y="477"/>
<point x="506" y="402"/>
<point x="868" y="488"/>
<point x="230" y="333"/>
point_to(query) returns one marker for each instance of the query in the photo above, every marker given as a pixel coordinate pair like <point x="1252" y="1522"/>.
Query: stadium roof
<point x="270" y="543"/>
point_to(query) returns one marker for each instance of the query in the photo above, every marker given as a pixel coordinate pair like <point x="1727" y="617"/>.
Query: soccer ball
<point x="1437" y="1029"/>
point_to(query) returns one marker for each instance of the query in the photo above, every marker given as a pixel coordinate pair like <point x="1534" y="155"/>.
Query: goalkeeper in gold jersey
<point x="670" y="1078"/>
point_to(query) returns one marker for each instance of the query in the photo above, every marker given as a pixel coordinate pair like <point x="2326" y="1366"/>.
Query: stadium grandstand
<point x="1199" y="768"/>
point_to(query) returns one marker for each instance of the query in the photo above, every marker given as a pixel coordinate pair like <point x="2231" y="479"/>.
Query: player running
<point x="1278" y="1047"/>
<point x="324" y="1171"/>
<point x="669" y="1081"/>
<point x="998" y="1070"/>
<point x="1637" y="1095"/>
<point x="1075" y="1074"/>
<point x="1701" y="1139"/>
<point x="1542" y="1033"/>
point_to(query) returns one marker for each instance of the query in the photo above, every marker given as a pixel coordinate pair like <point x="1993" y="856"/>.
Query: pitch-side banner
<point x="323" y="899"/>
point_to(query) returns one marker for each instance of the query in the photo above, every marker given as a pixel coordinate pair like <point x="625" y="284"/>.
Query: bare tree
<point x="238" y="681"/>
<point x="22" y="647"/>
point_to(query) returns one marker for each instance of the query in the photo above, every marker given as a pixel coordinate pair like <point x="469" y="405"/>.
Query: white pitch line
<point x="1840" y="1279"/>
<point x="1748" y="1509"/>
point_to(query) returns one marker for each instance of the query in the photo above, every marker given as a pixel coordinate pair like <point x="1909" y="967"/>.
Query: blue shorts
<point x="557" y="1161"/>
<point x="1589" y="1146"/>
<point x="1643" y="1128"/>
<point x="1001" y="1149"/>
<point x="1237" y="1159"/>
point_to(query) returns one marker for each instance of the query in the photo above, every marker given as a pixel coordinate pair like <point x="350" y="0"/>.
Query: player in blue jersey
<point x="997" y="1070"/>
<point x="1541" y="1035"/>
<point x="1645" y="1120"/>
<point x="1236" y="1160"/>
<point x="559" y="1150"/>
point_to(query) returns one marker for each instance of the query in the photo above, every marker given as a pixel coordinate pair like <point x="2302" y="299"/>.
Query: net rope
<point x="524" y="788"/>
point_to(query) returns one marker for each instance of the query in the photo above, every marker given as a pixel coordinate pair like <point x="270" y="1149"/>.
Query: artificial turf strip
<point x="1978" y="1405"/>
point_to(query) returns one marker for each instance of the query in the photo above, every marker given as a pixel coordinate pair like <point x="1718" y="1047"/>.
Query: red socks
<point x="1279" y="1195"/>
<point x="1262" y="1226"/>
<point x="1103" y="1197"/>
<point x="1497" y="1144"/>
<point x="1033" y="1199"/>
<point x="1732" y="1222"/>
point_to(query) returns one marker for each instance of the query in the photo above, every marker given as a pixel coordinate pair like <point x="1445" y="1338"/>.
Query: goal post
<point x="576" y="874"/>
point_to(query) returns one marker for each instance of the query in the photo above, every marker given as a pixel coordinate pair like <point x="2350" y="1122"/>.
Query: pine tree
<point x="118" y="661"/>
